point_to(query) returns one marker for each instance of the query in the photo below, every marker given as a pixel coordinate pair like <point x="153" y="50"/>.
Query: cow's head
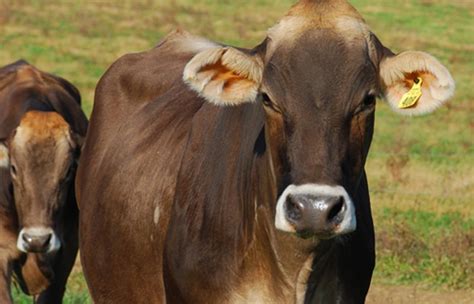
<point x="41" y="155"/>
<point x="317" y="75"/>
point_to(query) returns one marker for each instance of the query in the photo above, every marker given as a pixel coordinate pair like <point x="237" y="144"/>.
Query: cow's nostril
<point x="294" y="209"/>
<point x="47" y="239"/>
<point x="336" y="209"/>
<point x="26" y="238"/>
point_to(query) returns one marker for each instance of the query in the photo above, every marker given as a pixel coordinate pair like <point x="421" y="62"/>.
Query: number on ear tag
<point x="410" y="98"/>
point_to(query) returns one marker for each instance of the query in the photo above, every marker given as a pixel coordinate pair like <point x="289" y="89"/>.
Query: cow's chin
<point x="306" y="235"/>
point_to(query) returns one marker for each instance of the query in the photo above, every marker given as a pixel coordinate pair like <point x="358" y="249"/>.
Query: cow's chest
<point x="258" y="292"/>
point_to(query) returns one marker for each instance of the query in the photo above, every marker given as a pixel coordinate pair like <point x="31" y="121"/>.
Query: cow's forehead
<point x="46" y="129"/>
<point x="319" y="68"/>
<point x="317" y="56"/>
<point x="308" y="16"/>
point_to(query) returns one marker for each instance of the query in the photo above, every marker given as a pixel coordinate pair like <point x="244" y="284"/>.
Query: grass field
<point x="421" y="170"/>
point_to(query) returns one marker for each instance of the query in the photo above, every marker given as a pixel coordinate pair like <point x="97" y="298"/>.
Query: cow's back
<point x="140" y="123"/>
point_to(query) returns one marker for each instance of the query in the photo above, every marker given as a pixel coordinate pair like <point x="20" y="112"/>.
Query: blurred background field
<point x="421" y="170"/>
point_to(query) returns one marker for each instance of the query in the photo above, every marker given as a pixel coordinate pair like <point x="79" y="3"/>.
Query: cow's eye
<point x="266" y="100"/>
<point x="369" y="101"/>
<point x="367" y="104"/>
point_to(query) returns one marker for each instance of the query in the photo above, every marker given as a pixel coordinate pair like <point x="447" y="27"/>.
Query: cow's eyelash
<point x="13" y="169"/>
<point x="266" y="99"/>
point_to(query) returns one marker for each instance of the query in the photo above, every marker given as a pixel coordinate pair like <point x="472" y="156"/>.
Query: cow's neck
<point x="246" y="260"/>
<point x="288" y="257"/>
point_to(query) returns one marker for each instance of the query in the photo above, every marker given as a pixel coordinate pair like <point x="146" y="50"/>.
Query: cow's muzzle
<point x="315" y="210"/>
<point x="38" y="240"/>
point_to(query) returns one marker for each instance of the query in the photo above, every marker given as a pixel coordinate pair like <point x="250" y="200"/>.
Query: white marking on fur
<point x="356" y="33"/>
<point x="348" y="223"/>
<point x="302" y="279"/>
<point x="4" y="158"/>
<point x="438" y="86"/>
<point x="54" y="243"/>
<point x="288" y="27"/>
<point x="353" y="30"/>
<point x="186" y="42"/>
<point x="21" y="136"/>
<point x="156" y="215"/>
<point x="285" y="32"/>
<point x="64" y="144"/>
<point x="249" y="294"/>
<point x="198" y="44"/>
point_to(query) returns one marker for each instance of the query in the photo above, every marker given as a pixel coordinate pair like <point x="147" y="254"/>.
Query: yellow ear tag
<point x="410" y="98"/>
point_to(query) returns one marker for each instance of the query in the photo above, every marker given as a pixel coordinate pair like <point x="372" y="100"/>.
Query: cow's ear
<point x="4" y="157"/>
<point x="224" y="75"/>
<point x="403" y="74"/>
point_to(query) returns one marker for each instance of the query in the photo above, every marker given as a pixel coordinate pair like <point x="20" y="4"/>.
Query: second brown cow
<point x="42" y="128"/>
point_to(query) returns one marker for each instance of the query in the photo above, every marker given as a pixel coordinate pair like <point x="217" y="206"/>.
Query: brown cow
<point x="245" y="182"/>
<point x="42" y="127"/>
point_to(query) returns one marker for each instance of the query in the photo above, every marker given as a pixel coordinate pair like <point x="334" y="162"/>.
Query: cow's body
<point x="163" y="153"/>
<point x="38" y="114"/>
<point x="178" y="196"/>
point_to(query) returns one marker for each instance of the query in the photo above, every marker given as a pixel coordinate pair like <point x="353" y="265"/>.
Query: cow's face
<point x="42" y="155"/>
<point x="318" y="77"/>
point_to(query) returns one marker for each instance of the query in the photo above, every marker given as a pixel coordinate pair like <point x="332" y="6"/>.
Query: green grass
<point x="420" y="246"/>
<point x="421" y="170"/>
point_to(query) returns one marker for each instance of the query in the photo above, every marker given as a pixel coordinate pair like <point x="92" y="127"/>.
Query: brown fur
<point x="44" y="125"/>
<point x="28" y="73"/>
<point x="35" y="279"/>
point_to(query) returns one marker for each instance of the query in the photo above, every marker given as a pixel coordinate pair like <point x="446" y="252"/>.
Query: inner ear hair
<point x="224" y="75"/>
<point x="399" y="73"/>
